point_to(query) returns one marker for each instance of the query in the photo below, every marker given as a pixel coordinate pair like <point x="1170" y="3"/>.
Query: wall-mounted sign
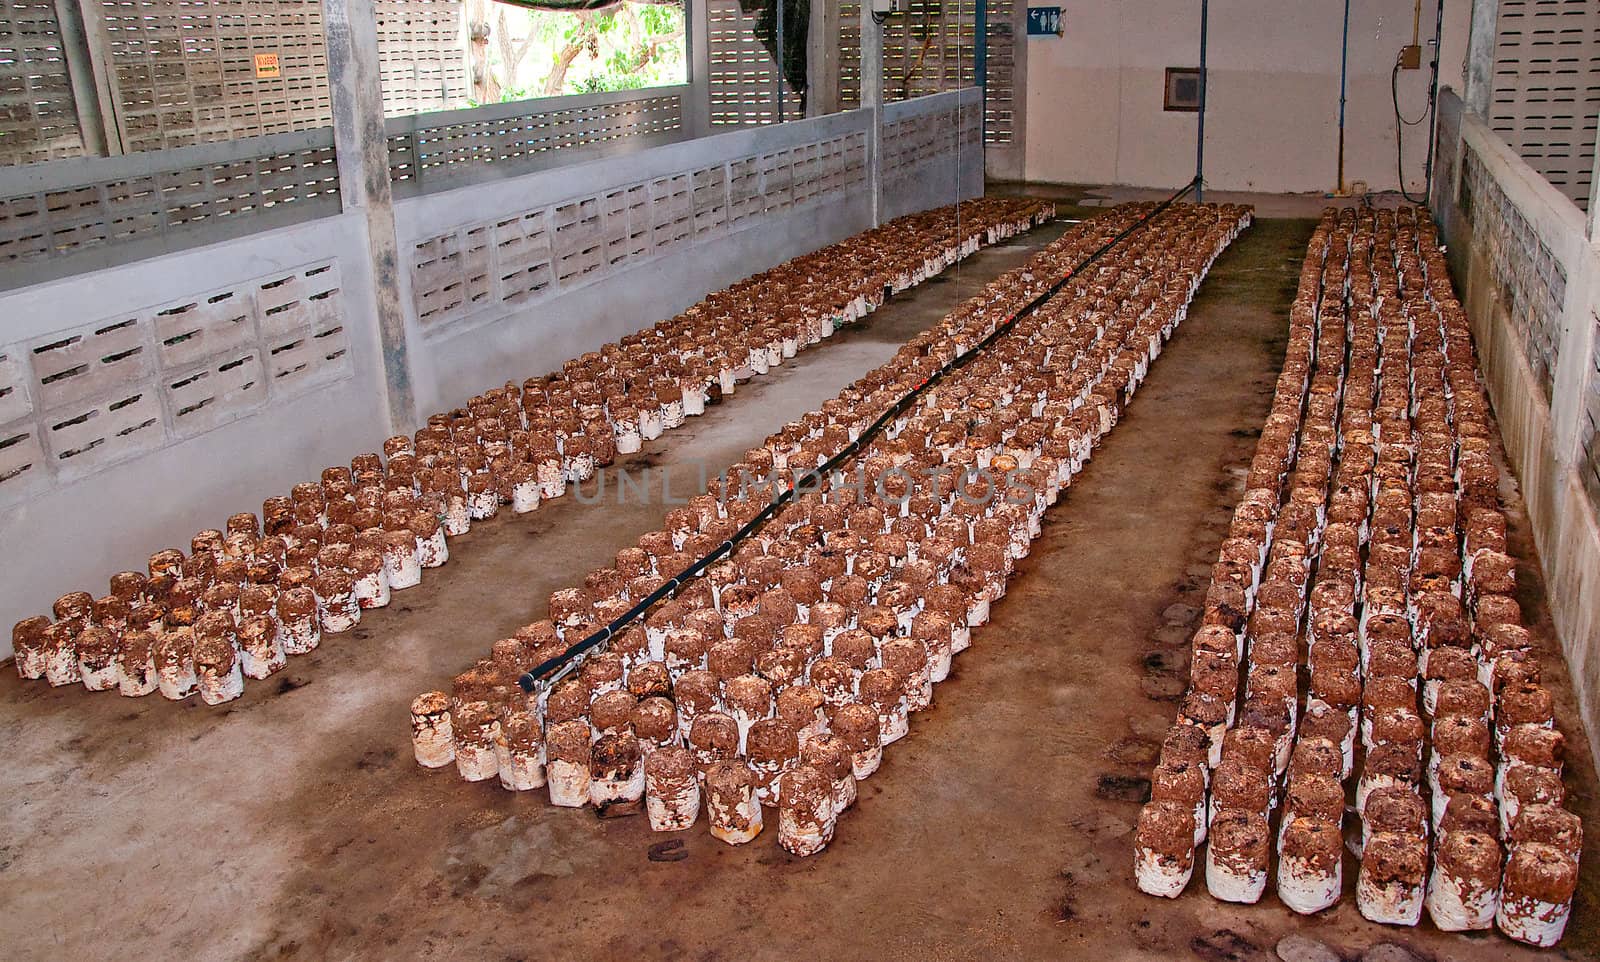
<point x="1183" y="89"/>
<point x="267" y="66"/>
<point x="1044" y="21"/>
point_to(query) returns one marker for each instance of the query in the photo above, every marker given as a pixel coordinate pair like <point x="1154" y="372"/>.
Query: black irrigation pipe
<point x="530" y="680"/>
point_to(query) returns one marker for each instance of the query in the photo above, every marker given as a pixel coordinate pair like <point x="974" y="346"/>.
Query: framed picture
<point x="1183" y="89"/>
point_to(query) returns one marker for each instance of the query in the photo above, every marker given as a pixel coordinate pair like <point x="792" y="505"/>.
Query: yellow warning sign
<point x="267" y="66"/>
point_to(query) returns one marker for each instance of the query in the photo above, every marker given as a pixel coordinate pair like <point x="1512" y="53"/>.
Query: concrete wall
<point x="69" y="520"/>
<point x="466" y="361"/>
<point x="88" y="521"/>
<point x="501" y="341"/>
<point x="1545" y="435"/>
<point x="932" y="151"/>
<point x="453" y="361"/>
<point x="1095" y="95"/>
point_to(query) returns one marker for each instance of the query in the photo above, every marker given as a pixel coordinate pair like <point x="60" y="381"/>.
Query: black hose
<point x="1400" y="123"/>
<point x="529" y="681"/>
<point x="1433" y="101"/>
<point x="1394" y="92"/>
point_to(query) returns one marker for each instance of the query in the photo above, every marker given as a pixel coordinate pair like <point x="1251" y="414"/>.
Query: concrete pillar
<point x="872" y="99"/>
<point x="351" y="29"/>
<point x="871" y="59"/>
<point x="1569" y="391"/>
<point x="1479" y="79"/>
<point x="95" y="95"/>
<point x="699" y="59"/>
<point x="822" y="59"/>
<point x="1592" y="227"/>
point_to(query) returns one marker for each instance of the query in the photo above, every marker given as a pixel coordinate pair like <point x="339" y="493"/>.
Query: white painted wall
<point x="507" y="341"/>
<point x="912" y="180"/>
<point x="1545" y="441"/>
<point x="1095" y="95"/>
<point x="74" y="534"/>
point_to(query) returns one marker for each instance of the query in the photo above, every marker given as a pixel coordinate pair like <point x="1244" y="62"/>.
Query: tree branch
<point x="511" y="54"/>
<point x="592" y="6"/>
<point x="569" y="53"/>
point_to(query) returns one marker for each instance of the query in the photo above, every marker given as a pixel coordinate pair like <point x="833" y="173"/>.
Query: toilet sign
<point x="1044" y="21"/>
<point x="267" y="66"/>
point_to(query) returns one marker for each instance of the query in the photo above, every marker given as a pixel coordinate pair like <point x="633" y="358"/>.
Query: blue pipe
<point x="980" y="64"/>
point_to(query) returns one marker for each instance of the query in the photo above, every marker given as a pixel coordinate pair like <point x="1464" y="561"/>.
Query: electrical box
<point x="1411" y="57"/>
<point x="888" y="6"/>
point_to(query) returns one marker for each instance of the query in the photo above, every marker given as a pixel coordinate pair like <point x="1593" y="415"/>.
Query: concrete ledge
<point x="1540" y="438"/>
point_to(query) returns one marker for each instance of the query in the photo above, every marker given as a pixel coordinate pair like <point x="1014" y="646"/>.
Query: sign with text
<point x="1044" y="21"/>
<point x="267" y="66"/>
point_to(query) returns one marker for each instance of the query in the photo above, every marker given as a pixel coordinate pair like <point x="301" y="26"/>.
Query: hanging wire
<point x="1401" y="123"/>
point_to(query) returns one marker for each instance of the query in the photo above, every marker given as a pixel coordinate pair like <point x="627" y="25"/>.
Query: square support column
<point x="698" y="117"/>
<point x="1592" y="223"/>
<point x="1569" y="393"/>
<point x="86" y="47"/>
<point x="362" y="149"/>
<point x="1479" y="80"/>
<point x="822" y="59"/>
<point x="872" y="99"/>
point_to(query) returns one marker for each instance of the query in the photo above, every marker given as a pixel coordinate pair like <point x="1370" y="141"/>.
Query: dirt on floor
<point x="293" y="824"/>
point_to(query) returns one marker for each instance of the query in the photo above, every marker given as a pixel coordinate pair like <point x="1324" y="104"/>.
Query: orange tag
<point x="267" y="66"/>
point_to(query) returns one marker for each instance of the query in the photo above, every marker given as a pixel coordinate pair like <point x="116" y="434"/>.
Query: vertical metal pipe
<point x="1433" y="101"/>
<point x="782" y="62"/>
<point x="980" y="63"/>
<point x="1344" y="64"/>
<point x="1200" y="132"/>
<point x="980" y="43"/>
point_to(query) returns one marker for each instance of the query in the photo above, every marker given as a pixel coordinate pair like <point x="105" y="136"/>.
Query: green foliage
<point x="625" y="47"/>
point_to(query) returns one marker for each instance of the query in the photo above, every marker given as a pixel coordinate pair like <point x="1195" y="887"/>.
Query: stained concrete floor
<point x="292" y="823"/>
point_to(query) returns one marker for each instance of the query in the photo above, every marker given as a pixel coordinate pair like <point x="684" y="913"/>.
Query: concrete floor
<point x="293" y="824"/>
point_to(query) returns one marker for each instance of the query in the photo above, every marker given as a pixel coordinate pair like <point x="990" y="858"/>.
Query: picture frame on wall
<point x="1182" y="91"/>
